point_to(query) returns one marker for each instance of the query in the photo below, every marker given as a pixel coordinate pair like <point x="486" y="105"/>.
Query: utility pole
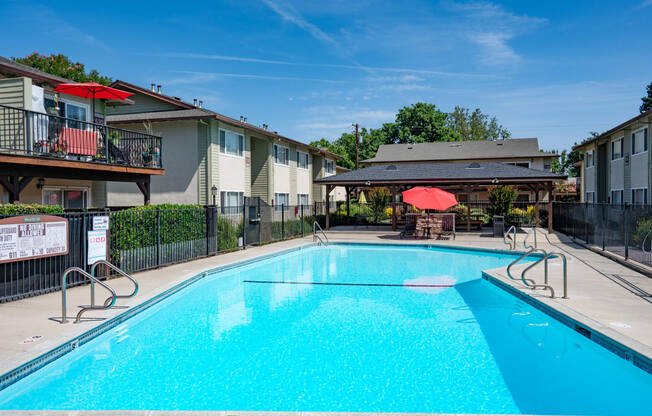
<point x="356" y="146"/>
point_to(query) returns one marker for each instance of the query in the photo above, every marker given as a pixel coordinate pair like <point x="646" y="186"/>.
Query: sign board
<point x="101" y="223"/>
<point x="32" y="236"/>
<point x="96" y="246"/>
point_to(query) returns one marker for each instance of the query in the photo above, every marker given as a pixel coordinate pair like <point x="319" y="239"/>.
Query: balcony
<point x="27" y="133"/>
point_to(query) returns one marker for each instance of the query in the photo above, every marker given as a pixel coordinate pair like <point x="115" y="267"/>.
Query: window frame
<point x="287" y="152"/>
<point x="307" y="196"/>
<point x="278" y="206"/>
<point x="590" y="153"/>
<point x="621" y="192"/>
<point x="622" y="149"/>
<point x="63" y="189"/>
<point x="223" y="150"/>
<point x="592" y="194"/>
<point x="300" y="155"/>
<point x="645" y="132"/>
<point x="239" y="196"/>
<point x="517" y="164"/>
<point x="645" y="196"/>
<point x="328" y="162"/>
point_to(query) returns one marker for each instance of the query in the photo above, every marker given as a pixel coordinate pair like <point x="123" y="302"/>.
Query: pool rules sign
<point x="32" y="236"/>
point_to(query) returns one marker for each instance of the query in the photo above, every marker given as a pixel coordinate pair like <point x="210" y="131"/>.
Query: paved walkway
<point x="605" y="295"/>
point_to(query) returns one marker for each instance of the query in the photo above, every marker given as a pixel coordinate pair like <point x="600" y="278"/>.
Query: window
<point x="639" y="141"/>
<point x="521" y="164"/>
<point x="590" y="160"/>
<point x="280" y="201"/>
<point x="523" y="197"/>
<point x="616" y="196"/>
<point x="302" y="199"/>
<point x="281" y="155"/>
<point x="74" y="111"/>
<point x="67" y="198"/>
<point x="639" y="196"/>
<point x="617" y="149"/>
<point x="231" y="201"/>
<point x="590" y="197"/>
<point x="547" y="166"/>
<point x="303" y="160"/>
<point x="329" y="166"/>
<point x="231" y="143"/>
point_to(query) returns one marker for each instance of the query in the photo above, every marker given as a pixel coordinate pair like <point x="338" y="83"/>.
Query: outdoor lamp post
<point x="214" y="193"/>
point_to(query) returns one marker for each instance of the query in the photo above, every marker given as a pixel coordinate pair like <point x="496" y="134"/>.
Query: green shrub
<point x="228" y="234"/>
<point x="26" y="209"/>
<point x="501" y="198"/>
<point x="379" y="198"/>
<point x="643" y="227"/>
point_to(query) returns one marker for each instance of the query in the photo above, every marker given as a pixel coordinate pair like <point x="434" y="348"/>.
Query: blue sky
<point x="549" y="69"/>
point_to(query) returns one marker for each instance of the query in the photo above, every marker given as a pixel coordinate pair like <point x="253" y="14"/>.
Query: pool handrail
<point x="316" y="237"/>
<point x="119" y="271"/>
<point x="511" y="244"/>
<point x="525" y="255"/>
<point x="545" y="258"/>
<point x="85" y="308"/>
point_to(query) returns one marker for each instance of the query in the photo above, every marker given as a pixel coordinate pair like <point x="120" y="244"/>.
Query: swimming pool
<point x="343" y="328"/>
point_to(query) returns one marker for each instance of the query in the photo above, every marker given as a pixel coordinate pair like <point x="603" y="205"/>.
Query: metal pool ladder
<point x="316" y="237"/>
<point x="512" y="242"/>
<point x="531" y="283"/>
<point x="110" y="301"/>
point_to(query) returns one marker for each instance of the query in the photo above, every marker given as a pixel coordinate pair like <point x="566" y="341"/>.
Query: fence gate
<point x="252" y="220"/>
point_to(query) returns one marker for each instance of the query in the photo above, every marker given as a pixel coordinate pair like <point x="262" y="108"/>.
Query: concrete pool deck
<point x="603" y="295"/>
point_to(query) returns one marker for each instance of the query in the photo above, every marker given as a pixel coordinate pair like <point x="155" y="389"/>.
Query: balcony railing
<point x="27" y="133"/>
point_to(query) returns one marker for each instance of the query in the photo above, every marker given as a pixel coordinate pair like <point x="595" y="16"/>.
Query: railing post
<point x="158" y="236"/>
<point x="626" y="233"/>
<point x="302" y="220"/>
<point x="106" y="145"/>
<point x="208" y="226"/>
<point x="260" y="223"/>
<point x="28" y="132"/>
<point x="282" y="221"/>
<point x="244" y="224"/>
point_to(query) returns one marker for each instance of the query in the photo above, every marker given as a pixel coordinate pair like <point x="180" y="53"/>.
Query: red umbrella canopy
<point x="93" y="90"/>
<point x="429" y="198"/>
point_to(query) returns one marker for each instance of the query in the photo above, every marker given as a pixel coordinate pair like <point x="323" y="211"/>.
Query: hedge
<point x="27" y="209"/>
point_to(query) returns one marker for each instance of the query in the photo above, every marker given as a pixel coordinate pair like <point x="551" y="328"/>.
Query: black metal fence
<point x="619" y="229"/>
<point x="149" y="237"/>
<point x="25" y="132"/>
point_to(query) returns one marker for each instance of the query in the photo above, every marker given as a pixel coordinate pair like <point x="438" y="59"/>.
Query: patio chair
<point x="410" y="227"/>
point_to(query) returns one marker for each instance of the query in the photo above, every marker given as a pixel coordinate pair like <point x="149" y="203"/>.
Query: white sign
<point x="28" y="237"/>
<point x="101" y="223"/>
<point x="96" y="246"/>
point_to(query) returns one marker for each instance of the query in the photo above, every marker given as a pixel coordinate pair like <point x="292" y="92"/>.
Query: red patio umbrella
<point x="429" y="198"/>
<point x="93" y="90"/>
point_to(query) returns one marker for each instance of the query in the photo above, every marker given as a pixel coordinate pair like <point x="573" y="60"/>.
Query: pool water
<point x="395" y="329"/>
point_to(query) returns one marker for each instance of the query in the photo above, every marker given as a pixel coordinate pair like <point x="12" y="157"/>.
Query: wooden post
<point x="348" y="205"/>
<point x="550" y="188"/>
<point x="145" y="190"/>
<point x="392" y="191"/>
<point x="14" y="185"/>
<point x="468" y="213"/>
<point x="328" y="208"/>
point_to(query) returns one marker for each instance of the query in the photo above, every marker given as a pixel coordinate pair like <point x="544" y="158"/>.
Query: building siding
<point x="16" y="92"/>
<point x="260" y="169"/>
<point x="142" y="104"/>
<point x="202" y="153"/>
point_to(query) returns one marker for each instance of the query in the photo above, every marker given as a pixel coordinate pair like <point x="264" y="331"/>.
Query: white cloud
<point x="223" y="58"/>
<point x="492" y="27"/>
<point x="404" y="87"/>
<point x="208" y="76"/>
<point x="292" y="15"/>
<point x="496" y="50"/>
<point x="645" y="3"/>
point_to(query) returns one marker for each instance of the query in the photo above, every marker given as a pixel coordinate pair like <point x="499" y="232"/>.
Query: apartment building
<point x="208" y="151"/>
<point x="617" y="168"/>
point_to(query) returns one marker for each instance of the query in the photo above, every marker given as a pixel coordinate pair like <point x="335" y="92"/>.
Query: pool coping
<point x="582" y="324"/>
<point x="628" y="353"/>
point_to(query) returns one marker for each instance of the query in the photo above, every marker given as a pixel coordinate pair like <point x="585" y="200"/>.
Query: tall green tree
<point x="419" y="123"/>
<point x="62" y="66"/>
<point x="647" y="100"/>
<point x="475" y="125"/>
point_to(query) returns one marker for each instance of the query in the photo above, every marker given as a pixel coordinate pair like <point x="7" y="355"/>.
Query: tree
<point x="379" y="198"/>
<point x="60" y="65"/>
<point x="501" y="198"/>
<point x="476" y="125"/>
<point x="419" y="123"/>
<point x="647" y="100"/>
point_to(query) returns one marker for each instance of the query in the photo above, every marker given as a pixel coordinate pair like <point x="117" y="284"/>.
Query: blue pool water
<point x="225" y="343"/>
